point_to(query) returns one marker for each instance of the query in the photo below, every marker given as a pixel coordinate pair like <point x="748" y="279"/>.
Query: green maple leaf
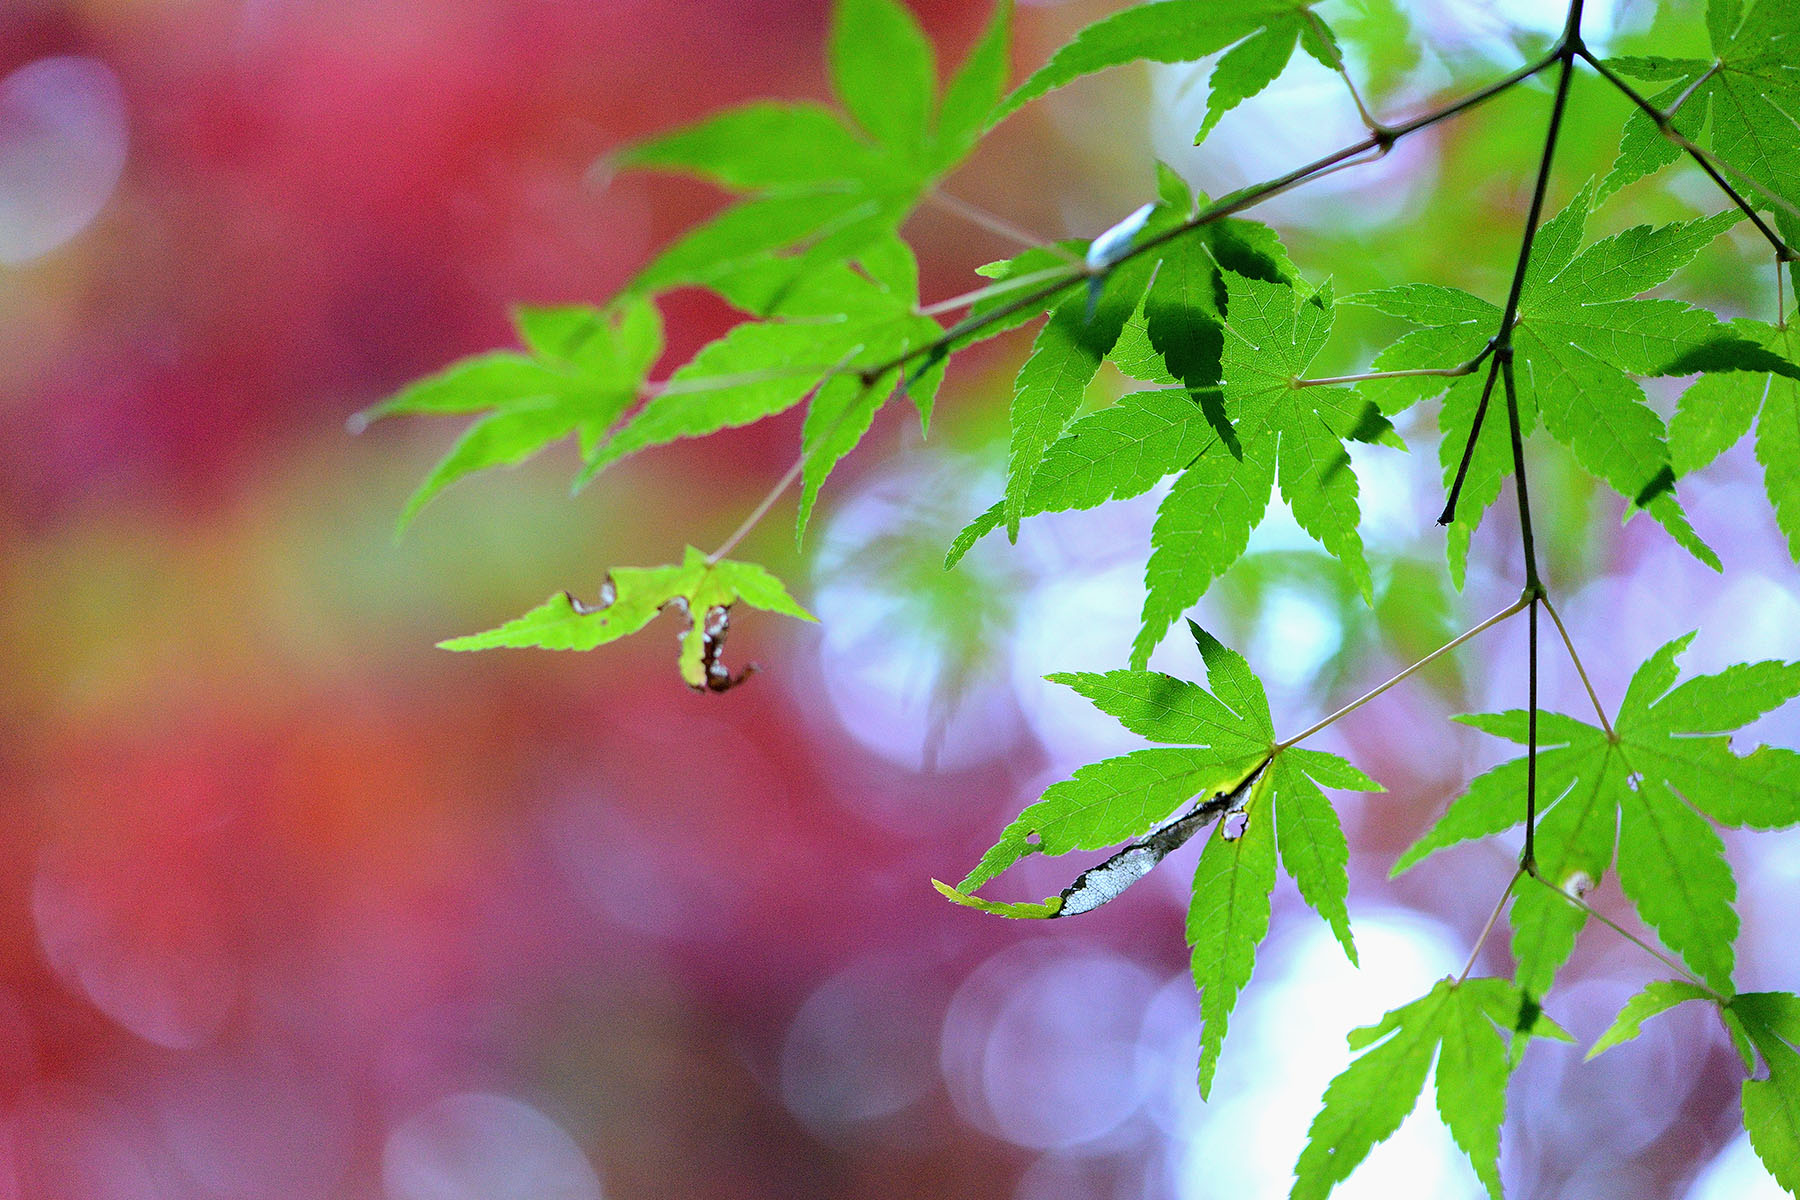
<point x="1220" y="755"/>
<point x="1653" y="788"/>
<point x="1760" y="1023"/>
<point x="1717" y="409"/>
<point x="1747" y="95"/>
<point x="1278" y="433"/>
<point x="1169" y="328"/>
<point x="825" y="331"/>
<point x="1771" y="1022"/>
<point x="1657" y="997"/>
<point x="814" y="181"/>
<point x="701" y="593"/>
<point x="1464" y="1026"/>
<point x="1581" y="336"/>
<point x="1261" y="36"/>
<point x="583" y="368"/>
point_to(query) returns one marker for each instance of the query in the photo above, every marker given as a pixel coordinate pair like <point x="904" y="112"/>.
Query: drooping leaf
<point x="1279" y="428"/>
<point x="1112" y="801"/>
<point x="700" y="592"/>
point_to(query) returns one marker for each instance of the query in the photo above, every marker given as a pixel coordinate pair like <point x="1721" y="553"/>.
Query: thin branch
<point x="1569" y="644"/>
<point x="1708" y="162"/>
<point x="1629" y="936"/>
<point x="1534" y="591"/>
<point x="1375" y="145"/>
<point x="1493" y="919"/>
<point x="994" y="223"/>
<point x="1378" y="142"/>
<point x="1444" y="649"/>
<point x="1468" y="452"/>
<point x="1564" y="53"/>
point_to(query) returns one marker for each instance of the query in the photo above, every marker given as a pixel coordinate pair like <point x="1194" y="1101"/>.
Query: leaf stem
<point x="995" y="223"/>
<point x="1569" y="644"/>
<point x="1688" y="92"/>
<point x="1467" y="368"/>
<point x="1337" y="64"/>
<point x="1629" y="936"/>
<point x="787" y="480"/>
<point x="1448" y="646"/>
<point x="1707" y="161"/>
<point x="991" y="291"/>
<point x="759" y="512"/>
<point x="1493" y="919"/>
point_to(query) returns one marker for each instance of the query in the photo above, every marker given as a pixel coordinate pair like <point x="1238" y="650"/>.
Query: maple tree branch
<point x="1707" y="161"/>
<point x="1378" y="142"/>
<point x="1375" y="145"/>
<point x="1564" y="53"/>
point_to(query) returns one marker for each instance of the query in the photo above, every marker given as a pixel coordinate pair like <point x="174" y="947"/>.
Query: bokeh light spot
<point x="62" y="147"/>
<point x="480" y="1146"/>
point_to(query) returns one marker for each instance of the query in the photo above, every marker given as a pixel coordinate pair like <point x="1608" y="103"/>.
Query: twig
<point x="1448" y="646"/>
<point x="1566" y="48"/>
<point x="1569" y="644"/>
<point x="759" y="512"/>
